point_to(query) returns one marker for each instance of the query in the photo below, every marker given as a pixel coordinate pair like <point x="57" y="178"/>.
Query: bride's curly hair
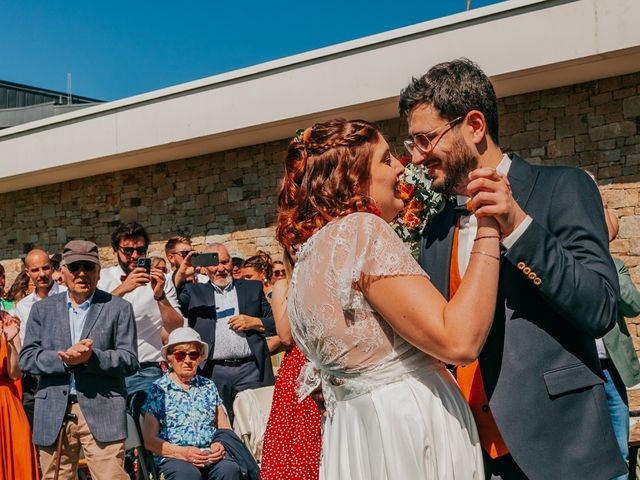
<point x="326" y="175"/>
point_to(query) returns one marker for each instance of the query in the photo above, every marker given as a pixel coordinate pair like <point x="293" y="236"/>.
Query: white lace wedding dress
<point x="394" y="412"/>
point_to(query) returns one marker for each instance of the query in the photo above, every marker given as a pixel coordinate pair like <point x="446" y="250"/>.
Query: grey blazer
<point x="558" y="291"/>
<point x="99" y="383"/>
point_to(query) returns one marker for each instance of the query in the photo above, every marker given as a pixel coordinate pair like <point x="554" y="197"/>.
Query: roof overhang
<point x="523" y="45"/>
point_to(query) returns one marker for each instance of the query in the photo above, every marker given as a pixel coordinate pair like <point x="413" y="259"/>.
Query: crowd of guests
<point x="422" y="369"/>
<point x="156" y="336"/>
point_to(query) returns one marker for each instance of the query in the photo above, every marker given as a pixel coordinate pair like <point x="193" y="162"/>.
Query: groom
<point x="537" y="391"/>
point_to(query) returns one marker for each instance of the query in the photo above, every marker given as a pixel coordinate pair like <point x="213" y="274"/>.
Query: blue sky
<point x="116" y="48"/>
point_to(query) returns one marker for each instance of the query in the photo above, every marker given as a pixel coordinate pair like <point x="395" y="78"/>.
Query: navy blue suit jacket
<point x="198" y="305"/>
<point x="558" y="291"/>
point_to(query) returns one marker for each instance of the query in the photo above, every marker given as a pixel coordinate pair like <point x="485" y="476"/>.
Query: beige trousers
<point x="105" y="460"/>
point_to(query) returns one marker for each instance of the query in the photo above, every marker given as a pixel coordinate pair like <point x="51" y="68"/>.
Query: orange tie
<point x="470" y="378"/>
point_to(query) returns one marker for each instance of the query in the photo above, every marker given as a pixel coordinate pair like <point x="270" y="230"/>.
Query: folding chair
<point x="251" y="409"/>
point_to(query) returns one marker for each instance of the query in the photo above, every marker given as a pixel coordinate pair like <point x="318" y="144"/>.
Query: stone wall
<point x="230" y="196"/>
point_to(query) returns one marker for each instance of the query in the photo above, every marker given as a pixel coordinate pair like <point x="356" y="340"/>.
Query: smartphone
<point x="205" y="259"/>
<point x="145" y="263"/>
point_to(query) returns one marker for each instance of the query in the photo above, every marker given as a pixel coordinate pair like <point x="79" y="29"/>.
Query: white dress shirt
<point x="145" y="309"/>
<point x="229" y="344"/>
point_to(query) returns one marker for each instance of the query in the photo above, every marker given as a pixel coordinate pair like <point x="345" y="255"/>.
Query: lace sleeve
<point x="367" y="245"/>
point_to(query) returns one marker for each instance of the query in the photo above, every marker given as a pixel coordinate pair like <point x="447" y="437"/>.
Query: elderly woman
<point x="182" y="413"/>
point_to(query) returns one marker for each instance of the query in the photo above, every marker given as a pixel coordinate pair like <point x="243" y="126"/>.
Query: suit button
<point x="532" y="276"/>
<point x="64" y="392"/>
<point x="537" y="281"/>
<point x="521" y="265"/>
<point x="526" y="270"/>
<point x="485" y="408"/>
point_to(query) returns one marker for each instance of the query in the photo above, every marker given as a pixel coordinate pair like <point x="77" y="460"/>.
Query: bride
<point x="375" y="330"/>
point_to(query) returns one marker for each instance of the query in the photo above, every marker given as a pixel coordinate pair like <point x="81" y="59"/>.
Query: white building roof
<point x="523" y="45"/>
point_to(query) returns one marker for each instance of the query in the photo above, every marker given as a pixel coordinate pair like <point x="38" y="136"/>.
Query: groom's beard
<point x="460" y="162"/>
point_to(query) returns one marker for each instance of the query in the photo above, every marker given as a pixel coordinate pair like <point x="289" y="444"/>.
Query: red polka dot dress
<point x="293" y="438"/>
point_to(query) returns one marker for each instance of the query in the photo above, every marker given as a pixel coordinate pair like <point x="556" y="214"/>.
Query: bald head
<point x="38" y="267"/>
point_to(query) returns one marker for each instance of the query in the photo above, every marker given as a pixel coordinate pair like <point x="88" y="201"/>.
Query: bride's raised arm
<point x="453" y="332"/>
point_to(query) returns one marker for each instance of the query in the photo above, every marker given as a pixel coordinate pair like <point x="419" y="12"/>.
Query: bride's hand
<point x="491" y="196"/>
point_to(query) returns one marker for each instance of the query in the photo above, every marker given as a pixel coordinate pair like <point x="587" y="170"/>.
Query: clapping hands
<point x="77" y="354"/>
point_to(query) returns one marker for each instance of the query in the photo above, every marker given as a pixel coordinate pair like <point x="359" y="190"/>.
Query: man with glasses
<point x="537" y="390"/>
<point x="81" y="344"/>
<point x="154" y="300"/>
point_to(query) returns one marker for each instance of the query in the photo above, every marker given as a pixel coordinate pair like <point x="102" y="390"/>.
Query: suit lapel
<point x="62" y="313"/>
<point x="92" y="316"/>
<point x="241" y="298"/>
<point x="435" y="248"/>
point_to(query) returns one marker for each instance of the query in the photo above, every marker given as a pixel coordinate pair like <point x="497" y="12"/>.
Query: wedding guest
<point x="259" y="267"/>
<point x="617" y="354"/>
<point x="81" y="344"/>
<point x="233" y="317"/>
<point x="558" y="288"/>
<point x="153" y="298"/>
<point x="159" y="263"/>
<point x="20" y="288"/>
<point x="364" y="313"/>
<point x="293" y="437"/>
<point x="17" y="454"/>
<point x="279" y="271"/>
<point x="40" y="270"/>
<point x="182" y="413"/>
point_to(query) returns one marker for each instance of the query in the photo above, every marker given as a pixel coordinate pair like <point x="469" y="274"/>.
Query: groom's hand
<point x="491" y="196"/>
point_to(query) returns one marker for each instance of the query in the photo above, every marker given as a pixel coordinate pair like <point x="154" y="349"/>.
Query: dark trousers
<point x="502" y="468"/>
<point x="231" y="380"/>
<point x="29" y="387"/>
<point x="174" y="469"/>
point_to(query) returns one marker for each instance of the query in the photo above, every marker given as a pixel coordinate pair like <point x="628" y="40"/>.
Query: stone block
<point x="524" y="140"/>
<point x="631" y="107"/>
<point x="511" y="123"/>
<point x="629" y="227"/>
<point x="596" y="100"/>
<point x="554" y="100"/>
<point x="560" y="148"/>
<point x="234" y="194"/>
<point x="612" y="130"/>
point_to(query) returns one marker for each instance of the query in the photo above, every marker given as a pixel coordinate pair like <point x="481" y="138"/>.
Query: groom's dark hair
<point x="454" y="89"/>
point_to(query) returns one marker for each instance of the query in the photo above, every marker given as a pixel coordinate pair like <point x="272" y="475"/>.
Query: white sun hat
<point x="184" y="335"/>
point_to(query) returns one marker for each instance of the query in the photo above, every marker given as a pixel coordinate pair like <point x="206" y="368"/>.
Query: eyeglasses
<point x="180" y="355"/>
<point x="183" y="253"/>
<point x="128" y="251"/>
<point x="279" y="273"/>
<point x="426" y="142"/>
<point x="86" y="266"/>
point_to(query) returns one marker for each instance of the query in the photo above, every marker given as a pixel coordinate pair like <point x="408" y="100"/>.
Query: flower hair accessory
<point x="420" y="203"/>
<point x="303" y="135"/>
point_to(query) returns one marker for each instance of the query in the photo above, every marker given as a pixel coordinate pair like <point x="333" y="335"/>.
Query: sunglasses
<point x="279" y="273"/>
<point x="183" y="253"/>
<point x="86" y="266"/>
<point x="180" y="356"/>
<point x="128" y="251"/>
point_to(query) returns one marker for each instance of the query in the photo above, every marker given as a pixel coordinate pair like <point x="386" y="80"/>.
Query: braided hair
<point x="326" y="175"/>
